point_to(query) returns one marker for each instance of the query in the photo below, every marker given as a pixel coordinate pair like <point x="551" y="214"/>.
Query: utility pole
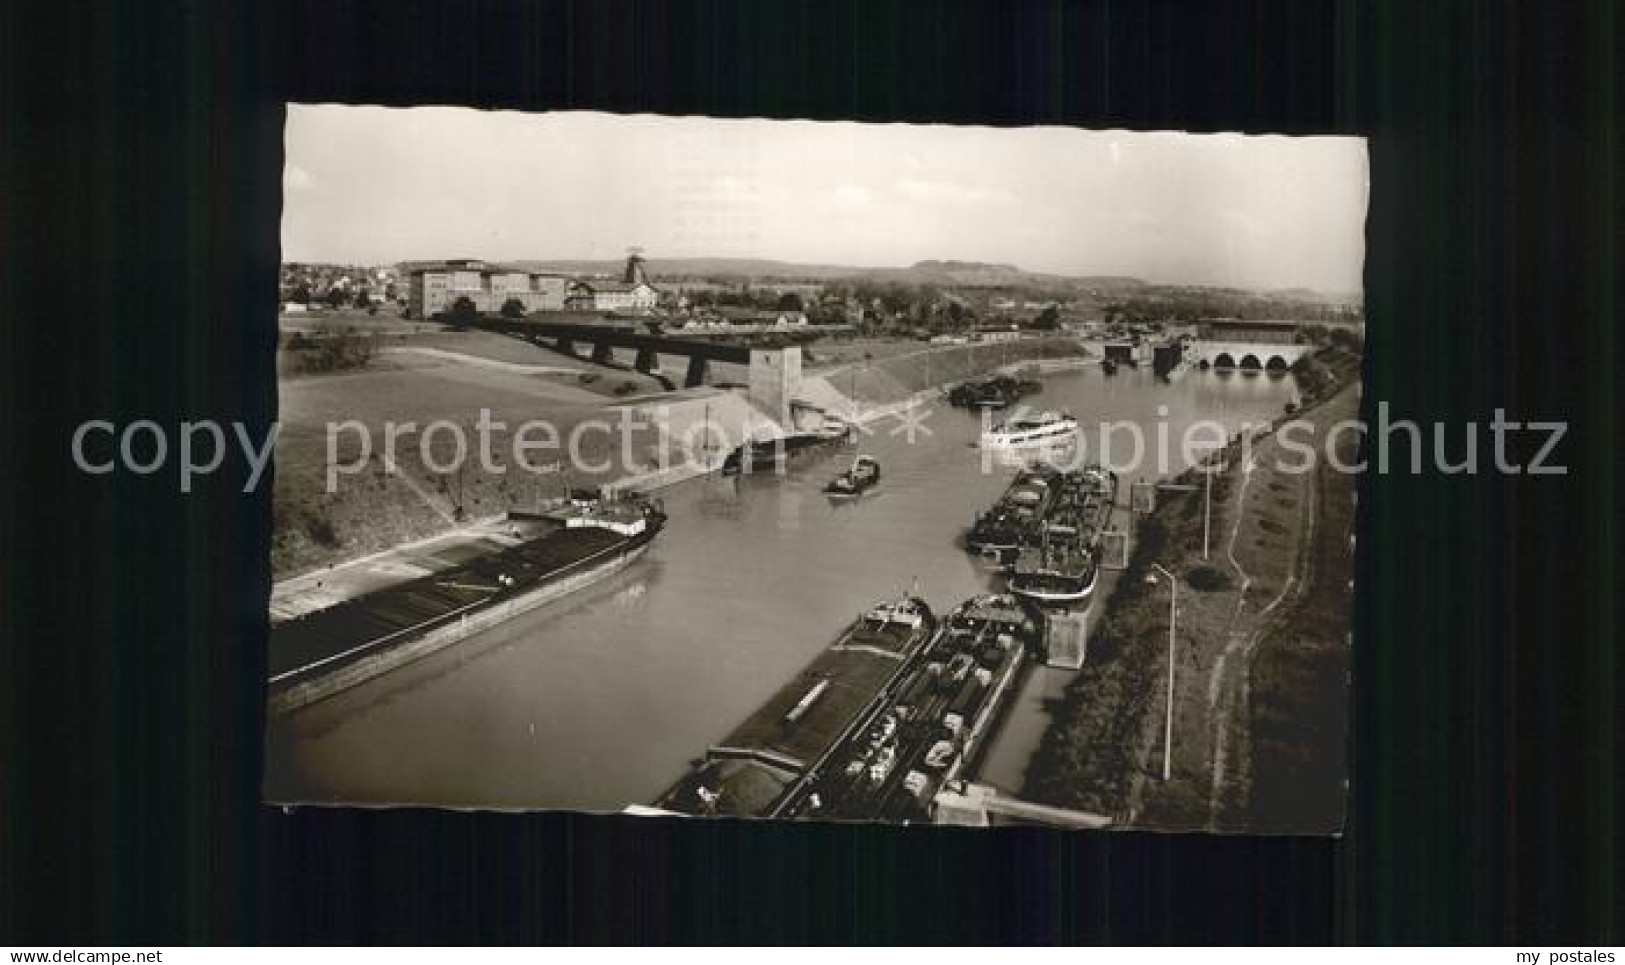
<point x="1168" y="727"/>
<point x="1207" y="512"/>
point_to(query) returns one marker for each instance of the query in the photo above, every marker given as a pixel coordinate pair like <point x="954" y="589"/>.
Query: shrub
<point x="1208" y="579"/>
<point x="332" y="350"/>
<point x="513" y="308"/>
<point x="463" y="313"/>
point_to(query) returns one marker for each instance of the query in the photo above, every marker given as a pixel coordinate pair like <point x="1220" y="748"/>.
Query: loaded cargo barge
<point x="767" y="759"/>
<point x="934" y="724"/>
<point x="997" y="535"/>
<point x="1061" y="567"/>
<point x="585" y="538"/>
<point x="875" y="726"/>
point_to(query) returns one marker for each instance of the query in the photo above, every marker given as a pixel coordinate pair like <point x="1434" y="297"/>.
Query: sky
<point x="375" y="185"/>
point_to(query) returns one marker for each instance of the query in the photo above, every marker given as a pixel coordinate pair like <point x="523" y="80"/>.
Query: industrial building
<point x="433" y="288"/>
<point x="631" y="292"/>
<point x="1257" y="331"/>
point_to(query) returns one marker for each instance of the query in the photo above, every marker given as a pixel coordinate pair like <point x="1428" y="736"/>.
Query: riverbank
<point x="1103" y="750"/>
<point x="373" y="508"/>
<point x="603" y="698"/>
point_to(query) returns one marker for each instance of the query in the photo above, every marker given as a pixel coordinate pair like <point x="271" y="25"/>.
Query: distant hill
<point x="1312" y="295"/>
<point x="944" y="273"/>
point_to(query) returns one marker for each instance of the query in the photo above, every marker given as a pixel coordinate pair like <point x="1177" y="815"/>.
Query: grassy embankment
<point x="900" y="373"/>
<point x="1103" y="750"/>
<point x="374" y="509"/>
<point x="1299" y="707"/>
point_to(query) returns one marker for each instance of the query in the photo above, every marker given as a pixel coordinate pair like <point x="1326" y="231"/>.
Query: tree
<point x="335" y="297"/>
<point x="463" y="312"/>
<point x="1048" y="320"/>
<point x="363" y="298"/>
<point x="513" y="308"/>
<point x="301" y="293"/>
<point x="790" y="302"/>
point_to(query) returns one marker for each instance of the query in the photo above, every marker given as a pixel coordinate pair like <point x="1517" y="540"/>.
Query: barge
<point x="585" y="538"/>
<point x="891" y="768"/>
<point x="768" y="758"/>
<point x="774" y="454"/>
<point x="994" y="393"/>
<point x="998" y="534"/>
<point x="1062" y="567"/>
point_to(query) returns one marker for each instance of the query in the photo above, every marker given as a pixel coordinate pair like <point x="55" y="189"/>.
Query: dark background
<point x="139" y="201"/>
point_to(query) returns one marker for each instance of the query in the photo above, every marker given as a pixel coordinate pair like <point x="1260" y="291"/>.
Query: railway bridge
<point x="600" y="342"/>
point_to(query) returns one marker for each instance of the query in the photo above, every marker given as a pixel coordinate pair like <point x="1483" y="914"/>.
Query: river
<point x="603" y="698"/>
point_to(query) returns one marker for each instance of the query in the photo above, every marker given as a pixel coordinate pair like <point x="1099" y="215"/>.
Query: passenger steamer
<point x="1048" y="429"/>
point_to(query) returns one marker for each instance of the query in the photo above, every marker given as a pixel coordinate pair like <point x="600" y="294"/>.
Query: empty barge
<point x="585" y="538"/>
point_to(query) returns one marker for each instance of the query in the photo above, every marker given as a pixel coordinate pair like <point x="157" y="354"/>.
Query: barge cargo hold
<point x="891" y="768"/>
<point x="751" y="771"/>
<point x="586" y="538"/>
<point x="1062" y="566"/>
<point x="996" y="535"/>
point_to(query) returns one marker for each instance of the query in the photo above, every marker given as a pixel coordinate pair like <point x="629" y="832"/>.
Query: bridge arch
<point x="1224" y="360"/>
<point x="1276" y="364"/>
<point x="1250" y="363"/>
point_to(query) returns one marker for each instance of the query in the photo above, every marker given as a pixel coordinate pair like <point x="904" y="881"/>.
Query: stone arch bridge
<point x="1246" y="356"/>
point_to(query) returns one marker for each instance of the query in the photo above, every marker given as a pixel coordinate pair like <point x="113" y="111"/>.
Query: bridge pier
<point x="698" y="366"/>
<point x="774" y="373"/>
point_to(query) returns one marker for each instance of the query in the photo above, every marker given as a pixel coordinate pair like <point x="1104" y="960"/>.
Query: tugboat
<point x="996" y="535"/>
<point x="863" y="476"/>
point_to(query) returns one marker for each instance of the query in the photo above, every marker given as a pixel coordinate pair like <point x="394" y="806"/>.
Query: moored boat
<point x="992" y="393"/>
<point x="1061" y="568"/>
<point x="586" y="537"/>
<point x="789" y="738"/>
<point x="997" y="534"/>
<point x="771" y="454"/>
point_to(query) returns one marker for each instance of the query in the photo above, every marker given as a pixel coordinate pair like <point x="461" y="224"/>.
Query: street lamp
<point x="1168" y="730"/>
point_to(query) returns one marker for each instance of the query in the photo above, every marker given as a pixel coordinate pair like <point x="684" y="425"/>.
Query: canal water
<point x="602" y="699"/>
